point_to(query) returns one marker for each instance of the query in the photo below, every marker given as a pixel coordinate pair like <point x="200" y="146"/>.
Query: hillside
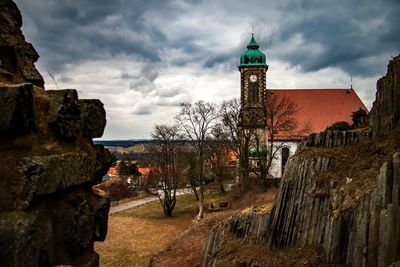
<point x="339" y="195"/>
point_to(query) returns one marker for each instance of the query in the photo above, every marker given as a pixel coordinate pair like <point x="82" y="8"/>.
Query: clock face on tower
<point x="253" y="78"/>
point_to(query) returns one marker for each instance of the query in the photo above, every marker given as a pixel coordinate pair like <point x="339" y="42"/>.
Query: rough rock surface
<point x="17" y="57"/>
<point x="385" y="112"/>
<point x="49" y="214"/>
<point x="354" y="217"/>
<point x="332" y="139"/>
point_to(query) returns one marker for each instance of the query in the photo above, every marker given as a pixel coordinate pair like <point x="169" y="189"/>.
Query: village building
<point x="316" y="108"/>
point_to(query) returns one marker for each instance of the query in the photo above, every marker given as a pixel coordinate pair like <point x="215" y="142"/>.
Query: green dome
<point x="253" y="56"/>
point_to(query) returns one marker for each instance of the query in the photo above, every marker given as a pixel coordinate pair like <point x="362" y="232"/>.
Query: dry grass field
<point x="134" y="236"/>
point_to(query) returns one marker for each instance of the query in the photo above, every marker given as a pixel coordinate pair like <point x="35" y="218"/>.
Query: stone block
<point x="385" y="183"/>
<point x="93" y="117"/>
<point x="16" y="110"/>
<point x="47" y="174"/>
<point x="103" y="162"/>
<point x="26" y="239"/>
<point x="17" y="57"/>
<point x="386" y="237"/>
<point x="31" y="74"/>
<point x="79" y="219"/>
<point x="64" y="115"/>
<point x="396" y="179"/>
<point x="101" y="218"/>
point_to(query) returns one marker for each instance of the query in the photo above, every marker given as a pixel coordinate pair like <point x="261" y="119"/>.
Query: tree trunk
<point x="168" y="203"/>
<point x="195" y="193"/>
<point x="222" y="189"/>
<point x="167" y="212"/>
<point x="201" y="206"/>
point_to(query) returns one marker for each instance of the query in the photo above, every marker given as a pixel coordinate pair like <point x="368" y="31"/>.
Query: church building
<point x="316" y="109"/>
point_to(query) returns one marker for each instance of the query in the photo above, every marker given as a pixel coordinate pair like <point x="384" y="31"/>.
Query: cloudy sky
<point x="142" y="58"/>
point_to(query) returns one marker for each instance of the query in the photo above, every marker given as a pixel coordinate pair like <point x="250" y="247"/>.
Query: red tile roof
<point x="144" y="171"/>
<point x="113" y="171"/>
<point x="321" y="107"/>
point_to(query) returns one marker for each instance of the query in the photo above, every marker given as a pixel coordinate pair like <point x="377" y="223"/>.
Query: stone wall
<point x="330" y="139"/>
<point x="49" y="214"/>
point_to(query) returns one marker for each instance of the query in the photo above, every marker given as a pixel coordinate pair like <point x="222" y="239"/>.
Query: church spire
<point x="351" y="81"/>
<point x="252" y="44"/>
<point x="252" y="56"/>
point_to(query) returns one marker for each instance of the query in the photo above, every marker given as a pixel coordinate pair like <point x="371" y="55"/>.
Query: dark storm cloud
<point x="347" y="32"/>
<point x="141" y="84"/>
<point x="76" y="31"/>
<point x="212" y="61"/>
<point x="342" y="34"/>
<point x="126" y="76"/>
<point x="311" y="34"/>
<point x="84" y="12"/>
<point x="151" y="70"/>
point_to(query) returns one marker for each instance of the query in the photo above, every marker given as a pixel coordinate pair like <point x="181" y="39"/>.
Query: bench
<point x="223" y="205"/>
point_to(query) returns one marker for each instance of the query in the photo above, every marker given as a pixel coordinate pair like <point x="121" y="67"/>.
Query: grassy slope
<point x="136" y="235"/>
<point x="187" y="248"/>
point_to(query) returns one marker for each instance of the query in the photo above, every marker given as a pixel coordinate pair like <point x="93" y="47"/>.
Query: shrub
<point x="339" y="126"/>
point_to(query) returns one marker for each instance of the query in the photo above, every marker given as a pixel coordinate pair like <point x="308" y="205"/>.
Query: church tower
<point x="253" y="71"/>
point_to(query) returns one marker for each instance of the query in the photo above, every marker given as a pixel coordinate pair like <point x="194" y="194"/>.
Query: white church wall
<point x="276" y="168"/>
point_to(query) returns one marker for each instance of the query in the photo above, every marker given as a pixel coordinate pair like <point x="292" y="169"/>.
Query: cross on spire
<point x="351" y="81"/>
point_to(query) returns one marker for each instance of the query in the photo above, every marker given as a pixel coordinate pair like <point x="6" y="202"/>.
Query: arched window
<point x="253" y="93"/>
<point x="284" y="158"/>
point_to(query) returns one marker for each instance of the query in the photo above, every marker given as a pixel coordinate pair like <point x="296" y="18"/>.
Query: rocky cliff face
<point x="17" y="57"/>
<point x="385" y="112"/>
<point x="341" y="192"/>
<point x="48" y="163"/>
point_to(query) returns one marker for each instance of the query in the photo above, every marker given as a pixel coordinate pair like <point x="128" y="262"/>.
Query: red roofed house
<point x="113" y="171"/>
<point x="317" y="108"/>
<point x="144" y="174"/>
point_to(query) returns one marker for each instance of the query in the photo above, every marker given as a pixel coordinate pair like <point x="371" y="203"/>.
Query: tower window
<point x="253" y="93"/>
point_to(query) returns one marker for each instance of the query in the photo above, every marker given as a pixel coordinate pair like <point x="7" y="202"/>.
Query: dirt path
<point x="139" y="202"/>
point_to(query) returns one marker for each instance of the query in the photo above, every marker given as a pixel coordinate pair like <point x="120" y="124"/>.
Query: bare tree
<point x="247" y="142"/>
<point x="191" y="172"/>
<point x="219" y="154"/>
<point x="197" y="120"/>
<point x="169" y="142"/>
<point x="281" y="115"/>
<point x="238" y="138"/>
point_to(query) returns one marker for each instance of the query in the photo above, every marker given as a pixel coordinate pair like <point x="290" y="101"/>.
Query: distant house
<point x="112" y="171"/>
<point x="144" y="171"/>
<point x="144" y="174"/>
